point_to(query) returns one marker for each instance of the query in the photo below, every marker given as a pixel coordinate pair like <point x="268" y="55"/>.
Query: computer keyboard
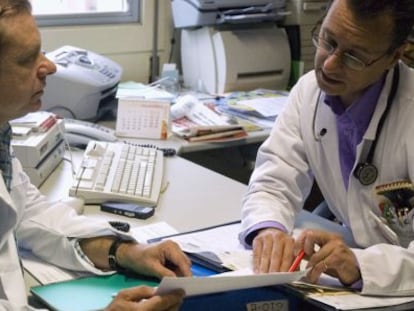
<point x="118" y="171"/>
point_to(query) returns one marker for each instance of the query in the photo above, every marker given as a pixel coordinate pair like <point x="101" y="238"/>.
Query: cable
<point x="172" y="41"/>
<point x="68" y="147"/>
<point x="62" y="108"/>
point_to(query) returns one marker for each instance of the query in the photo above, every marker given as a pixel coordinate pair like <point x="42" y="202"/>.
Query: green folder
<point x="87" y="293"/>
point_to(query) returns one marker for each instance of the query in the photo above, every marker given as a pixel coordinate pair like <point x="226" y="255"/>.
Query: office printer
<point x="196" y="13"/>
<point x="232" y="45"/>
<point x="83" y="83"/>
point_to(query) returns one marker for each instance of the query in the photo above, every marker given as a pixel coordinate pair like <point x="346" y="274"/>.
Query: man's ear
<point x="398" y="54"/>
<point x="408" y="54"/>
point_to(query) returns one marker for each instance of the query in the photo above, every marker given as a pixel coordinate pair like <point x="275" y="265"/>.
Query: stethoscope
<point x="366" y="172"/>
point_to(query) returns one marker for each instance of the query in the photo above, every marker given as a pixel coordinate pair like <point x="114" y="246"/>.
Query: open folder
<point x="96" y="292"/>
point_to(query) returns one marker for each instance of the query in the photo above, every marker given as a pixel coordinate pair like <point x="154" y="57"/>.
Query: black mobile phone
<point x="128" y="209"/>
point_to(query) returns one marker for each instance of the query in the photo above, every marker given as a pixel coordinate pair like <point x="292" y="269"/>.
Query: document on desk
<point x="331" y="292"/>
<point x="208" y="243"/>
<point x="266" y="107"/>
<point x="228" y="281"/>
<point x="259" y="106"/>
<point x="351" y="301"/>
<point x="45" y="273"/>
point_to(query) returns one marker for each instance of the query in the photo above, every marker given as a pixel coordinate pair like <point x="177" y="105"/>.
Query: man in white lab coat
<point x="349" y="125"/>
<point x="55" y="232"/>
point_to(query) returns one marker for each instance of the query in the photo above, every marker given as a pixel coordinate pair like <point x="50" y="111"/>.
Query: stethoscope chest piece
<point x="366" y="173"/>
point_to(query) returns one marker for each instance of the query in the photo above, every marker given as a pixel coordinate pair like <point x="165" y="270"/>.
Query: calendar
<point x="142" y="118"/>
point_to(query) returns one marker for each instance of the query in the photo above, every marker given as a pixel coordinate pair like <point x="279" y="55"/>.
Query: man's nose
<point x="51" y="66"/>
<point x="333" y="59"/>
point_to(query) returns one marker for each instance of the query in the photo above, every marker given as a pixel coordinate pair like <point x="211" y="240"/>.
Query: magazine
<point x="199" y="121"/>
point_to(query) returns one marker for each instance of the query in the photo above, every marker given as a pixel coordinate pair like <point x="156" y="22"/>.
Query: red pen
<point x="297" y="261"/>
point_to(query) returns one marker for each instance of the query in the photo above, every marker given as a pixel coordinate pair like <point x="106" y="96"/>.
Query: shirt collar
<point x="362" y="109"/>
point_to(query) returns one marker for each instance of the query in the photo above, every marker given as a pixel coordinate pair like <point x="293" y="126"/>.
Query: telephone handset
<point x="79" y="133"/>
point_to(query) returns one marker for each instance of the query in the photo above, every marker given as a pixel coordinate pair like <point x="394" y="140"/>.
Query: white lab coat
<point x="41" y="227"/>
<point x="291" y="157"/>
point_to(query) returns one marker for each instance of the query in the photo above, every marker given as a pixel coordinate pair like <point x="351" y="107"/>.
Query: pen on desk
<point x="297" y="261"/>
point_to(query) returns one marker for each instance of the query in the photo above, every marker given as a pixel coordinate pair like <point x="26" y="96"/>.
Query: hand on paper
<point x="143" y="298"/>
<point x="272" y="251"/>
<point x="333" y="257"/>
<point x="160" y="259"/>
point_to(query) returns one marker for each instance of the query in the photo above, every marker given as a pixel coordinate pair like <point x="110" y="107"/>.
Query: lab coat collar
<point x="381" y="105"/>
<point x="8" y="213"/>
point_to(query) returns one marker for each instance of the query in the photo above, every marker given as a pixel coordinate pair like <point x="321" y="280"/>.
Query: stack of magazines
<point x="195" y="121"/>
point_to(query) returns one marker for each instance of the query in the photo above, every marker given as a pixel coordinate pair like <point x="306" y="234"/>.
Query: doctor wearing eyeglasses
<point x="349" y="126"/>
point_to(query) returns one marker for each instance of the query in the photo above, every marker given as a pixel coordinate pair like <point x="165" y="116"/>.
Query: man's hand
<point x="334" y="257"/>
<point x="160" y="259"/>
<point x="272" y="251"/>
<point x="143" y="298"/>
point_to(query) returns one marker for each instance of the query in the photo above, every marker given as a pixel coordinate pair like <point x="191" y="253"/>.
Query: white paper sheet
<point x="144" y="233"/>
<point x="266" y="106"/>
<point x="225" y="282"/>
<point x="230" y="252"/>
<point x="45" y="273"/>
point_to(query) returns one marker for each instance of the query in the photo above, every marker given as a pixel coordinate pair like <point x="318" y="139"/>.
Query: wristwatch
<point x="113" y="263"/>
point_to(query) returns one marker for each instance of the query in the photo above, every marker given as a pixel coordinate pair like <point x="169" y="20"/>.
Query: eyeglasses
<point x="347" y="59"/>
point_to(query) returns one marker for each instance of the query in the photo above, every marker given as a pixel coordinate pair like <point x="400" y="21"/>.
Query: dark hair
<point x="402" y="12"/>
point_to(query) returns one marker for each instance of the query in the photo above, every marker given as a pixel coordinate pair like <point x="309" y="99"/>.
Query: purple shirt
<point x="352" y="123"/>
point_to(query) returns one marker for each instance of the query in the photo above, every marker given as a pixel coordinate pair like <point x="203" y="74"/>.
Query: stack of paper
<point x="198" y="121"/>
<point x="260" y="106"/>
<point x="40" y="121"/>
<point x="132" y="89"/>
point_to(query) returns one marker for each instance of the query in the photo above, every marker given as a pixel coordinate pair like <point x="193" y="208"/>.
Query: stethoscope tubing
<point x="367" y="165"/>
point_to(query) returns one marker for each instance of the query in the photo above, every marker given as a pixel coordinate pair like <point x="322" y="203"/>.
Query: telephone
<point x="79" y="133"/>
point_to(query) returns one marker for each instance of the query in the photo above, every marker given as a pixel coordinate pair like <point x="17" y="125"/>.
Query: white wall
<point x="130" y="45"/>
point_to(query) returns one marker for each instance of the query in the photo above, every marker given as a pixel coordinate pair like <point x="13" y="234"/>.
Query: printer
<point x="232" y="45"/>
<point x="196" y="13"/>
<point x="84" y="83"/>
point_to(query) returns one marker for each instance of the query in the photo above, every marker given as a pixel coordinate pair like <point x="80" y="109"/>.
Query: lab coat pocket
<point x="396" y="203"/>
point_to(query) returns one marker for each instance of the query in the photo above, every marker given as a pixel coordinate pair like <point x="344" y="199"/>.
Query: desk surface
<point x="195" y="197"/>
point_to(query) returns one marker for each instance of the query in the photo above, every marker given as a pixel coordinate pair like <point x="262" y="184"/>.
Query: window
<point x="81" y="12"/>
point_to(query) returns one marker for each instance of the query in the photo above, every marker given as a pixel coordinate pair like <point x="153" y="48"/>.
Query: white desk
<point x="194" y="198"/>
